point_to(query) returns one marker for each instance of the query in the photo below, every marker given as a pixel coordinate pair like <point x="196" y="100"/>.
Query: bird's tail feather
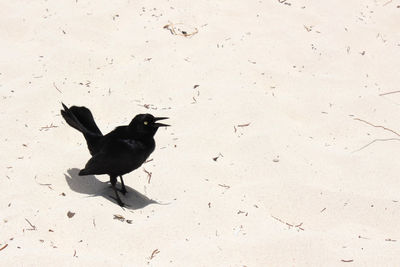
<point x="81" y="119"/>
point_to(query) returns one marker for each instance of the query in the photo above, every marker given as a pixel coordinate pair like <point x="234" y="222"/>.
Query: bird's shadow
<point x="90" y="185"/>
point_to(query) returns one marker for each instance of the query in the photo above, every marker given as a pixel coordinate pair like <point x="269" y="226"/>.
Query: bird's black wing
<point x="116" y="157"/>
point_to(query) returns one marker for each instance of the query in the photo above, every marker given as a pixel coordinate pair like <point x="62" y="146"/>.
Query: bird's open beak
<point x="160" y="124"/>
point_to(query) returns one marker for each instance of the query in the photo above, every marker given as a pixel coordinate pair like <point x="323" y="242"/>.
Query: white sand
<point x="299" y="74"/>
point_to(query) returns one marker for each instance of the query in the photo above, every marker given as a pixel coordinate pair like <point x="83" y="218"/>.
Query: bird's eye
<point x="145" y="123"/>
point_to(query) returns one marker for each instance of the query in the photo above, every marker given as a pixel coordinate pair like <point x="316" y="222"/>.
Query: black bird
<point x="119" y="152"/>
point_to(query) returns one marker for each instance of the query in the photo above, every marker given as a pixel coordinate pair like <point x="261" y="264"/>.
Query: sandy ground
<point x="266" y="163"/>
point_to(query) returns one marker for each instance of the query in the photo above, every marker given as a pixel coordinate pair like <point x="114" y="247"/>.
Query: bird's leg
<point x="113" y="180"/>
<point x="123" y="189"/>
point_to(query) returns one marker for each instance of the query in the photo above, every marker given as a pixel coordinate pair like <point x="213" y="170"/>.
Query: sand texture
<point x="283" y="146"/>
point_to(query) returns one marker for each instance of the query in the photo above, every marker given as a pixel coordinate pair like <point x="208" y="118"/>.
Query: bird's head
<point x="146" y="125"/>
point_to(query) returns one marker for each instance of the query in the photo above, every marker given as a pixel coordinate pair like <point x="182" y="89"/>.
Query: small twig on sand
<point x="388" y="93"/>
<point x="119" y="217"/>
<point x="48" y="185"/>
<point x="284" y="2"/>
<point x="48" y="127"/>
<point x="155" y="252"/>
<point x="298" y="226"/>
<point x="216" y="158"/>
<point x="244" y="125"/>
<point x="55" y="86"/>
<point x="170" y="28"/>
<point x="224" y="185"/>
<point x="3" y="247"/>
<point x="388" y="2"/>
<point x="148" y="160"/>
<point x="377" y="126"/>
<point x="148" y="175"/>
<point x="347" y="260"/>
<point x="33" y="227"/>
<point x="376" y="140"/>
